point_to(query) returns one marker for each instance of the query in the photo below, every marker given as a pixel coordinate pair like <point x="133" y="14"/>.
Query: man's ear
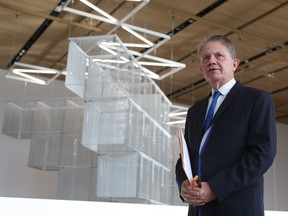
<point x="200" y="68"/>
<point x="236" y="62"/>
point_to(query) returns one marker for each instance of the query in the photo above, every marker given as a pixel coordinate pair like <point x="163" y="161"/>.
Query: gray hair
<point x="221" y="38"/>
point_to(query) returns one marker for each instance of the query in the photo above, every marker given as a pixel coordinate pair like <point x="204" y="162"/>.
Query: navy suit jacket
<point x="241" y="148"/>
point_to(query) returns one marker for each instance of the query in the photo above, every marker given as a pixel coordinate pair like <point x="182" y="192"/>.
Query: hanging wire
<point x="17" y="16"/>
<point x="239" y="36"/>
<point x="145" y="19"/>
<point x="172" y="52"/>
<point x="71" y="20"/>
<point x="270" y="76"/>
<point x="132" y="22"/>
<point x="14" y="35"/>
<point x="193" y="86"/>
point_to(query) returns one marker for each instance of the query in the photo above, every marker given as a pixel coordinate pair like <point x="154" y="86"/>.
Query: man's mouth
<point x="213" y="69"/>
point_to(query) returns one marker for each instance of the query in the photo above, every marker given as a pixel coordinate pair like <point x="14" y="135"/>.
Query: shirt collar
<point x="224" y="90"/>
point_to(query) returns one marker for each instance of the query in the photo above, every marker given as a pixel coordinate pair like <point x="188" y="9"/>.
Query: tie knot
<point x="216" y="94"/>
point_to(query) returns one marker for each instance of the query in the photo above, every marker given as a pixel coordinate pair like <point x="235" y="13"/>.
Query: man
<point x="238" y="146"/>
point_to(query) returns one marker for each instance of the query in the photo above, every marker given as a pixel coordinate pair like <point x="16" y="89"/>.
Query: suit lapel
<point x="228" y="100"/>
<point x="199" y="122"/>
<point x="203" y="110"/>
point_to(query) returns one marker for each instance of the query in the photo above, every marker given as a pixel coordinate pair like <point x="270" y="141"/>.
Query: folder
<point x="185" y="158"/>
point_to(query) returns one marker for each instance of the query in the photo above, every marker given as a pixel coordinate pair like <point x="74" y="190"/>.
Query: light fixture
<point x="23" y="71"/>
<point x="176" y="122"/>
<point x="89" y="15"/>
<point x="150" y="73"/>
<point x="137" y="35"/>
<point x="94" y="7"/>
<point x="173" y="114"/>
<point x="171" y="67"/>
<point x="115" y="61"/>
<point x="124" y="58"/>
<point x="21" y="78"/>
<point x="177" y="115"/>
<point x="159" y="64"/>
<point x="110" y="19"/>
<point x="28" y="77"/>
<point x="113" y="48"/>
<point x="136" y="45"/>
<point x="108" y="50"/>
<point x="157" y="59"/>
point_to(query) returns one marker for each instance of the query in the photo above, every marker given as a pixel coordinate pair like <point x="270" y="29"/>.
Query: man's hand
<point x="196" y="196"/>
<point x="191" y="193"/>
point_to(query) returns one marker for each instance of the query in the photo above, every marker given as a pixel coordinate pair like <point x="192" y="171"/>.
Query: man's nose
<point x="212" y="60"/>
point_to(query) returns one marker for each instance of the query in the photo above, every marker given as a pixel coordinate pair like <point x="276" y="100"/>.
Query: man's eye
<point x="205" y="58"/>
<point x="219" y="56"/>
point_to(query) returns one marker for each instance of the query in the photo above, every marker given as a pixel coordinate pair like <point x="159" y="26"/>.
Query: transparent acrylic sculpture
<point x="110" y="144"/>
<point x="124" y="119"/>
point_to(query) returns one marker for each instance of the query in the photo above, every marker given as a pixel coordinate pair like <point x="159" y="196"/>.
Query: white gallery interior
<point x="19" y="180"/>
<point x="88" y="129"/>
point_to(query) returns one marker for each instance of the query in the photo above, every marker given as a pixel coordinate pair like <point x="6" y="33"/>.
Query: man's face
<point x="216" y="64"/>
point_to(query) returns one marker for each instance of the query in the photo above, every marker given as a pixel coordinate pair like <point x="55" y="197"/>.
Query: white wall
<point x="18" y="180"/>
<point x="276" y="190"/>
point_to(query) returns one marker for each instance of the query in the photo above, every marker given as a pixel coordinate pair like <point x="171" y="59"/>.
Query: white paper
<point x="186" y="164"/>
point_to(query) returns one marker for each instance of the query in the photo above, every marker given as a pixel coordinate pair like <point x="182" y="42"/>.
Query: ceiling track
<point x="41" y="29"/>
<point x="267" y="74"/>
<point x="44" y="16"/>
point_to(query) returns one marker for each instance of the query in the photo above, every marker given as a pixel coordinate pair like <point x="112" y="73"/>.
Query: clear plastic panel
<point x="132" y="175"/>
<point x="74" y="154"/>
<point x="24" y="117"/>
<point x="48" y="116"/>
<point x="145" y="177"/>
<point x="44" y="151"/>
<point x="77" y="183"/>
<point x="117" y="175"/>
<point x="73" y="119"/>
<point x="76" y="70"/>
<point x="18" y="119"/>
<point x="105" y="123"/>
